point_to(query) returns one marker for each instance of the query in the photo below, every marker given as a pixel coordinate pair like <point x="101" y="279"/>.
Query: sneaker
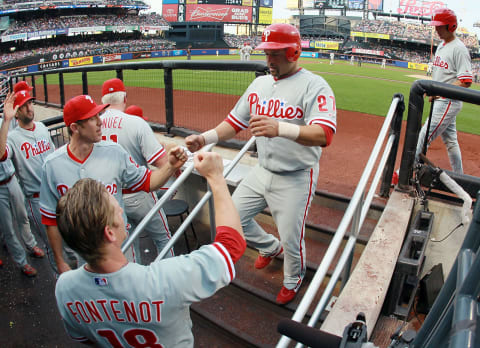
<point x="285" y="295"/>
<point x="37" y="252"/>
<point x="29" y="271"/>
<point x="264" y="261"/>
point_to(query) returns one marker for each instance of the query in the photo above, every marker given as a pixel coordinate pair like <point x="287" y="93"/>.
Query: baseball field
<point x="367" y="89"/>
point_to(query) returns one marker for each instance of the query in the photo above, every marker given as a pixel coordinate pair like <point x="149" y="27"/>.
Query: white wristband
<point x="210" y="136"/>
<point x="288" y="130"/>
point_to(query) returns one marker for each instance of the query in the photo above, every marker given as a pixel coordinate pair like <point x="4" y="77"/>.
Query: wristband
<point x="210" y="136"/>
<point x="288" y="130"/>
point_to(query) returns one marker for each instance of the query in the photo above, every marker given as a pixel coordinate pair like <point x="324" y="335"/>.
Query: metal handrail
<point x="357" y="206"/>
<point x="207" y="196"/>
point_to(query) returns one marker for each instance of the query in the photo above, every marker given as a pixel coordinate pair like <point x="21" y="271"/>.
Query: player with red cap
<point x="292" y="113"/>
<point x="86" y="156"/>
<point x="21" y="86"/>
<point x="137" y="138"/>
<point x="452" y="64"/>
<point x="135" y="110"/>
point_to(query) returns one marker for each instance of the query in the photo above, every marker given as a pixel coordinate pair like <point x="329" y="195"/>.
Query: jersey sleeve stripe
<point x="137" y="186"/>
<point x="235" y="122"/>
<point x="325" y="122"/>
<point x="156" y="156"/>
<point x="228" y="260"/>
<point x="48" y="214"/>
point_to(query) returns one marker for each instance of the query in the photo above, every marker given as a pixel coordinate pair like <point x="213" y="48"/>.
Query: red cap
<point x="21" y="86"/>
<point x="135" y="111"/>
<point x="21" y="98"/>
<point x="113" y="85"/>
<point x="80" y="108"/>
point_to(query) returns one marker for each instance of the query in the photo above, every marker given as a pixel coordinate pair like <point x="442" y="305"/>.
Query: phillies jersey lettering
<point x="303" y="99"/>
<point x="130" y="131"/>
<point x="111" y="188"/>
<point x="452" y="62"/>
<point x="28" y="150"/>
<point x="103" y="310"/>
<point x="34" y="149"/>
<point x="273" y="107"/>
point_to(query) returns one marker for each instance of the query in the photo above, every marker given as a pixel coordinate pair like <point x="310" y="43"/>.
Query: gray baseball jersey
<point x="108" y="163"/>
<point x="142" y="305"/>
<point x="452" y="61"/>
<point x="287" y="171"/>
<point x="138" y="139"/>
<point x="303" y="99"/>
<point x="28" y="150"/>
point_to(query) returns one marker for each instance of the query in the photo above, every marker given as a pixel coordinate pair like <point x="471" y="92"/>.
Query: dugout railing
<point x="182" y="97"/>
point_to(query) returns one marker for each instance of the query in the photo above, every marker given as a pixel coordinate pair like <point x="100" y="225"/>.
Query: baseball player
<point x="332" y="57"/>
<point x="137" y="138"/>
<point x="135" y="110"/>
<point x="292" y="113"/>
<point x="12" y="206"/>
<point x="429" y="68"/>
<point x="241" y="52"/>
<point x="113" y="303"/>
<point x="19" y="105"/>
<point x="87" y="156"/>
<point x="352" y="59"/>
<point x="384" y="61"/>
<point x="452" y="65"/>
<point x="247" y="50"/>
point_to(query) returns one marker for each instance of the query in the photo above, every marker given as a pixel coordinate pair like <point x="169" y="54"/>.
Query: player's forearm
<point x="225" y="131"/>
<point x="312" y="135"/>
<point x="160" y="176"/>
<point x="3" y="137"/>
<point x="225" y="212"/>
<point x="55" y="241"/>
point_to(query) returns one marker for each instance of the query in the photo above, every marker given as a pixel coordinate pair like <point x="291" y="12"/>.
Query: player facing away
<point x="137" y="138"/>
<point x="113" y="303"/>
<point x="292" y="114"/>
<point x="86" y="156"/>
<point x="452" y="64"/>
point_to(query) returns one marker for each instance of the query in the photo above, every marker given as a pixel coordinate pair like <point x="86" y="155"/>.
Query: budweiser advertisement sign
<point x="219" y="13"/>
<point x="419" y="7"/>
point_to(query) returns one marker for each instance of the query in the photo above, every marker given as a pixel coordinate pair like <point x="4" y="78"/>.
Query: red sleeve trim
<point x="232" y="241"/>
<point x="466" y="80"/>
<point x="328" y="134"/>
<point x="49" y="221"/>
<point x="237" y="124"/>
<point x="5" y="156"/>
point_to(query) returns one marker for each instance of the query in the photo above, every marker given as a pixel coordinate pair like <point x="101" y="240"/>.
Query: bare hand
<point x="9" y="111"/>
<point x="432" y="98"/>
<point x="177" y="157"/>
<point x="63" y="267"/>
<point x="208" y="164"/>
<point x="194" y="142"/>
<point x="263" y="126"/>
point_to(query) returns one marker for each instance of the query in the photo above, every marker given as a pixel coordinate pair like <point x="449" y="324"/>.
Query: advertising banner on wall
<point x="218" y="13"/>
<point x="265" y="15"/>
<point x="80" y="61"/>
<point x="375" y="5"/>
<point x="170" y="12"/>
<point x="356" y="4"/>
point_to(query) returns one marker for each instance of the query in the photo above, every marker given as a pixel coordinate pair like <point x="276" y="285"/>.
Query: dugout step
<point x="406" y="278"/>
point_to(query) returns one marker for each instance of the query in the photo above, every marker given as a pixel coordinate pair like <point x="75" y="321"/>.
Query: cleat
<point x="285" y="295"/>
<point x="29" y="271"/>
<point x="264" y="261"/>
<point x="395" y="178"/>
<point x="37" y="252"/>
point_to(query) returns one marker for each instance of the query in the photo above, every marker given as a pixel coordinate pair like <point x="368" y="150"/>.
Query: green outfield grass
<point x="368" y="89"/>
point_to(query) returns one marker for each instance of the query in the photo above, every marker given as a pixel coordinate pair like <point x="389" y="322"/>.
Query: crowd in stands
<point x="84" y="21"/>
<point x="93" y="48"/>
<point x="413" y="31"/>
<point x="9" y="4"/>
<point x="236" y="41"/>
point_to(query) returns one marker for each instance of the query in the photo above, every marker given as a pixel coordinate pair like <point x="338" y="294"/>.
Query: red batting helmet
<point x="444" y="16"/>
<point x="282" y="36"/>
